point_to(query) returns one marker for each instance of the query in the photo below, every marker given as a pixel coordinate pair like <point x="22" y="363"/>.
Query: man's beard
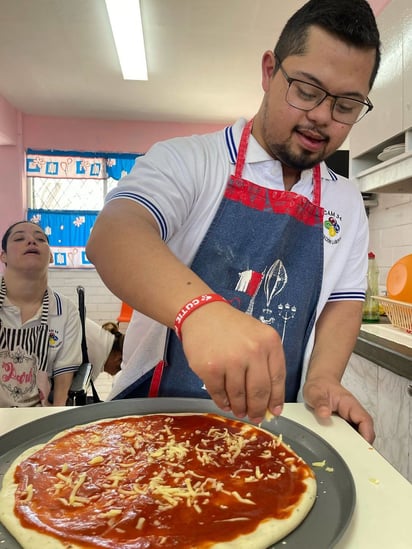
<point x="298" y="162"/>
<point x="282" y="151"/>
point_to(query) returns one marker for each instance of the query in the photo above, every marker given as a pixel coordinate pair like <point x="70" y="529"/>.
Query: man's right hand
<point x="240" y="360"/>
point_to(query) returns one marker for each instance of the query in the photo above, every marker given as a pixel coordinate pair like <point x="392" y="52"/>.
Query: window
<point x="68" y="194"/>
<point x="66" y="191"/>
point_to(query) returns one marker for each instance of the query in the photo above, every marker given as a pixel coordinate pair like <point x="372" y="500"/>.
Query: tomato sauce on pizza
<point x="160" y="480"/>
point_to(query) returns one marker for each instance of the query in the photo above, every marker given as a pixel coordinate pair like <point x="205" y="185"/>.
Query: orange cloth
<point x="125" y="313"/>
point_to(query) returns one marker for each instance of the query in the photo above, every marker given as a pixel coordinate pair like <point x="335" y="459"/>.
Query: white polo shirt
<point x="99" y="344"/>
<point x="181" y="182"/>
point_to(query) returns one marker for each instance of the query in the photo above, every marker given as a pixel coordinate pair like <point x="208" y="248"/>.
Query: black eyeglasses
<point x="305" y="97"/>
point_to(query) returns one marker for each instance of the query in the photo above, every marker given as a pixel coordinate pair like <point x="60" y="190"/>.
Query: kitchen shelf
<point x="391" y="176"/>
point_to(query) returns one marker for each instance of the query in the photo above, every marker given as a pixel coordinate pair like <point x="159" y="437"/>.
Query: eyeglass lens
<point x="305" y="96"/>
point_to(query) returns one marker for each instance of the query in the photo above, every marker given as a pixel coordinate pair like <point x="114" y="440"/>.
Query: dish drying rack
<point x="398" y="312"/>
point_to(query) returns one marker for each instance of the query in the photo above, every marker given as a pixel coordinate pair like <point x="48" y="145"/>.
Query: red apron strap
<point x="156" y="379"/>
<point x="158" y="369"/>
<point x="241" y="159"/>
<point x="241" y="155"/>
<point x="316" y="185"/>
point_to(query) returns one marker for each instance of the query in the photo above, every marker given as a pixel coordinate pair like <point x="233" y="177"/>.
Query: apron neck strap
<point x="241" y="159"/>
<point x="316" y="184"/>
<point x="241" y="154"/>
<point x="45" y="309"/>
<point x="3" y="292"/>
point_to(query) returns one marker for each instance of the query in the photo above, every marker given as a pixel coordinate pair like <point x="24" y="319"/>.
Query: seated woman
<point x="40" y="330"/>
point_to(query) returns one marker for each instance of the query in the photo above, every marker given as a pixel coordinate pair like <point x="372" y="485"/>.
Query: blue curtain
<point x="68" y="232"/>
<point x="78" y="164"/>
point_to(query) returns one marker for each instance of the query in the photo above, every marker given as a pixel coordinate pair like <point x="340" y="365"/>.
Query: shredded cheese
<point x="242" y="500"/>
<point x="268" y="415"/>
<point x="29" y="493"/>
<point x="175" y="481"/>
<point x="73" y="496"/>
<point x="112" y="513"/>
<point x="319" y="463"/>
<point x="96" y="460"/>
<point x="140" y="523"/>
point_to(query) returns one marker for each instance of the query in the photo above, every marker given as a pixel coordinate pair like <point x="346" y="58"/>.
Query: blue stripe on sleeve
<point x="65" y="370"/>
<point x="149" y="205"/>
<point x="342" y="296"/>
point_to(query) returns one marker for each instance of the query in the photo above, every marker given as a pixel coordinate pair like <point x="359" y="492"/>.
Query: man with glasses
<point x="244" y="254"/>
<point x="305" y="97"/>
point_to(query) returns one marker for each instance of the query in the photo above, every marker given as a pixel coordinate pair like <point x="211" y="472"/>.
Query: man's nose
<point x="322" y="113"/>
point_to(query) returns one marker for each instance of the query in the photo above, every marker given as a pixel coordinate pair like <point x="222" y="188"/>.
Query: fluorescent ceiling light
<point x="126" y="22"/>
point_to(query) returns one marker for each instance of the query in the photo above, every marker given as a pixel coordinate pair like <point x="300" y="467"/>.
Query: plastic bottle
<point x="371" y="306"/>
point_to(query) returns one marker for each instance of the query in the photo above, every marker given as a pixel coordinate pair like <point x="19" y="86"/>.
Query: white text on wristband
<point x="191" y="306"/>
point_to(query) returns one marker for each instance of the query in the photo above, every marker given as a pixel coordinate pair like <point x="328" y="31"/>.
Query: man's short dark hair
<point x="352" y="21"/>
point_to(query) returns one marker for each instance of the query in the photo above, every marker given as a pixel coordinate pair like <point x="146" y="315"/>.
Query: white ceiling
<point x="57" y="58"/>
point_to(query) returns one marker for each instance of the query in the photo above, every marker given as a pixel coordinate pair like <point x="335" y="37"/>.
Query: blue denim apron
<point x="264" y="253"/>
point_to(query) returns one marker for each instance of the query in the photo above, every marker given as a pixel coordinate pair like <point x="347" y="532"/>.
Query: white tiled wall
<point x="390" y="226"/>
<point x="101" y="304"/>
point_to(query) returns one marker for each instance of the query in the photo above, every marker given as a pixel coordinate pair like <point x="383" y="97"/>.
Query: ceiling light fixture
<point x="126" y="22"/>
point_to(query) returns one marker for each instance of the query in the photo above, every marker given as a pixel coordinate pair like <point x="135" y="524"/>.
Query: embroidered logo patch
<point x="332" y="227"/>
<point x="54" y="340"/>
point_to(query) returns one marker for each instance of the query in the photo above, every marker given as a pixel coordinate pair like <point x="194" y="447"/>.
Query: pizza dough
<point x="160" y="480"/>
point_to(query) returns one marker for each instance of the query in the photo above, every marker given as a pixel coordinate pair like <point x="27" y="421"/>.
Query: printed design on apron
<point x="23" y="360"/>
<point x="274" y="278"/>
<point x="274" y="281"/>
<point x="276" y="238"/>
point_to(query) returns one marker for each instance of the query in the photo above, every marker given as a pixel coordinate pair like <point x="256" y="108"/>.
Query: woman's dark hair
<point x="6" y="235"/>
<point x="113" y="328"/>
<point x="118" y="342"/>
<point x="352" y="21"/>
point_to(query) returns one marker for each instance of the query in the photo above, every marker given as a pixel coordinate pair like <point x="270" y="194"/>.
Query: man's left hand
<point x="329" y="396"/>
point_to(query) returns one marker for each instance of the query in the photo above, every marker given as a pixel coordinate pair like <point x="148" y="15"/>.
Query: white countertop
<point x="389" y="332"/>
<point x="382" y="517"/>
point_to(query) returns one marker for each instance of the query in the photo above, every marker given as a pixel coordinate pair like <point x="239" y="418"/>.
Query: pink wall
<point x="8" y="123"/>
<point x="39" y="132"/>
<point x="378" y="5"/>
<point x="102" y="135"/>
<point x="12" y="180"/>
<point x="12" y="186"/>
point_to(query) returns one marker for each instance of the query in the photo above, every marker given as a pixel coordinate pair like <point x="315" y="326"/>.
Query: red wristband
<point x="191" y="306"/>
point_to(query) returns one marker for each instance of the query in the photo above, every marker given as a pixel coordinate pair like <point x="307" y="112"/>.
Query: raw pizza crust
<point x="268" y="531"/>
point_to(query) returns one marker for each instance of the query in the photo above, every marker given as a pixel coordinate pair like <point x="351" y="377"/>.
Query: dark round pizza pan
<point x="322" y="528"/>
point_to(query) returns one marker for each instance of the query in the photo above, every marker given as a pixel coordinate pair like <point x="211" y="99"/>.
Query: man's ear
<point x="3" y="257"/>
<point x="268" y="66"/>
<point x="51" y="258"/>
